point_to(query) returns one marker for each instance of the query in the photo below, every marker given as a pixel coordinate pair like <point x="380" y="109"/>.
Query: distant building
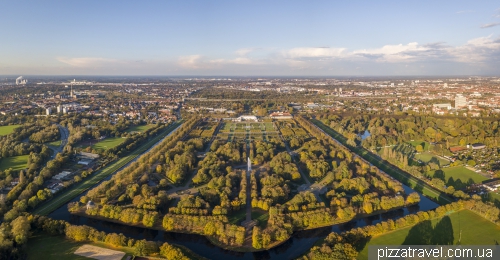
<point x="478" y="146"/>
<point x="48" y="111"/>
<point x="442" y="106"/>
<point x="281" y="115"/>
<point x="245" y="118"/>
<point x="21" y="81"/>
<point x="460" y="101"/>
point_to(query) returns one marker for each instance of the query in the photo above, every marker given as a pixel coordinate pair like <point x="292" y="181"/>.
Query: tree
<point x="20" y="229"/>
<point x="419" y="148"/>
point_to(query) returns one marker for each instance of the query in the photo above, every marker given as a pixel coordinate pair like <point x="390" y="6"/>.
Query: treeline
<point x="216" y="227"/>
<point x="125" y="215"/>
<point x="390" y="130"/>
<point x="128" y="176"/>
<point x="135" y="141"/>
<point x="47" y="134"/>
<point x="28" y="193"/>
<point x="180" y="160"/>
<point x="88" y="234"/>
<point x="216" y="161"/>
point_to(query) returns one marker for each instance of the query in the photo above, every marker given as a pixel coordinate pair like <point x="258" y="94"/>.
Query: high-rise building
<point x="48" y="110"/>
<point x="460" y="101"/>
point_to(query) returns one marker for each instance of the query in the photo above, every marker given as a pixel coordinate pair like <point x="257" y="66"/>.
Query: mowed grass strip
<point x="45" y="247"/>
<point x="475" y="231"/>
<point x="464" y="174"/>
<point x="7" y="129"/>
<point x="15" y="162"/>
<point x="140" y="128"/>
<point x="108" y="143"/>
<point x="71" y="193"/>
<point x="395" y="172"/>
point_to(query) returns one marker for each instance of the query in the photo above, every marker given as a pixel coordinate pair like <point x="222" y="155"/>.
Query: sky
<point x="250" y="38"/>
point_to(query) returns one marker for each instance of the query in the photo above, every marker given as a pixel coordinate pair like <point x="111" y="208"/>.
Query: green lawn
<point x="67" y="195"/>
<point x="475" y="231"/>
<point x="15" y="162"/>
<point x="108" y="143"/>
<point x="237" y="217"/>
<point x="43" y="246"/>
<point x="261" y="216"/>
<point x="55" y="143"/>
<point x="459" y="176"/>
<point x="424" y="144"/>
<point x="428" y="157"/>
<point x="5" y="130"/>
<point x="140" y="128"/>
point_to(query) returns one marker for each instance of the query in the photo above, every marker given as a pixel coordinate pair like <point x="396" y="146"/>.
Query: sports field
<point x="139" y="128"/>
<point x="475" y="230"/>
<point x="5" y="130"/>
<point x="459" y="176"/>
<point x="428" y="157"/>
<point x="15" y="162"/>
<point x="108" y="143"/>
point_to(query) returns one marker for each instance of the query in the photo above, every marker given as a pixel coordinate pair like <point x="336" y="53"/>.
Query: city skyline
<point x="386" y="38"/>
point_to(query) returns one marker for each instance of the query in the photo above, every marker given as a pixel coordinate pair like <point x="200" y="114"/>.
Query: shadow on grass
<point x="425" y="234"/>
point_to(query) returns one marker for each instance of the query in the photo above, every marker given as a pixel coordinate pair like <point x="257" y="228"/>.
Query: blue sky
<point x="316" y="38"/>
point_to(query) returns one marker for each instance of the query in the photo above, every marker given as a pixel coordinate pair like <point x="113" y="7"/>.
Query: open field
<point x="139" y="128"/>
<point x="43" y="246"/>
<point x="56" y="143"/>
<point x="108" y="143"/>
<point x="424" y="144"/>
<point x="459" y="176"/>
<point x="5" y="130"/>
<point x="15" y="162"/>
<point x="62" y="198"/>
<point x="428" y="157"/>
<point x="395" y="172"/>
<point x="475" y="230"/>
<point x="99" y="253"/>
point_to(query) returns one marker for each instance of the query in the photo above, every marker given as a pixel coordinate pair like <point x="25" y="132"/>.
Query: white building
<point x="460" y="101"/>
<point x="48" y="111"/>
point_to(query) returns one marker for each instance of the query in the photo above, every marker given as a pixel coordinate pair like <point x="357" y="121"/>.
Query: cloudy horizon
<point x="242" y="39"/>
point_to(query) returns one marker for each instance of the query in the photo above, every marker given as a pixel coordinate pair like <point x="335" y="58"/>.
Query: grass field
<point x="459" y="176"/>
<point x="395" y="172"/>
<point x="424" y="144"/>
<point x="261" y="216"/>
<point x="71" y="193"/>
<point x="15" y="162"/>
<point x="43" y="246"/>
<point x="475" y="231"/>
<point x="5" y="130"/>
<point x="108" y="143"/>
<point x="140" y="128"/>
<point x="428" y="157"/>
<point x="55" y="143"/>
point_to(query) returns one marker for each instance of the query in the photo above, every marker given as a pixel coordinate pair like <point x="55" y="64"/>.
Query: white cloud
<point x="489" y="25"/>
<point x="87" y="61"/>
<point x="301" y="53"/>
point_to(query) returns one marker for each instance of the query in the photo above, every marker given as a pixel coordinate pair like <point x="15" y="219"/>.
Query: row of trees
<point x="88" y="234"/>
<point x="120" y="181"/>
